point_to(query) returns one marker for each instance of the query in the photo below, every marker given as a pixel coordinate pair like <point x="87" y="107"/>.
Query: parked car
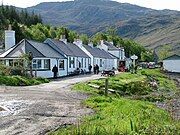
<point x="108" y="73"/>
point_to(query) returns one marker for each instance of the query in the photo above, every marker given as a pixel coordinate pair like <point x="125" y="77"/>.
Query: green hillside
<point x="150" y="27"/>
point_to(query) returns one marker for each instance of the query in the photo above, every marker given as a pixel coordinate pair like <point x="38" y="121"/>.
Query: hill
<point x="152" y="28"/>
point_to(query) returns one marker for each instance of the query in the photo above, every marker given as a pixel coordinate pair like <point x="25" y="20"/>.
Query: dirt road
<point x="38" y="109"/>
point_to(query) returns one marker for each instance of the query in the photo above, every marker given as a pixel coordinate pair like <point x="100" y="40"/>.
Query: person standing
<point x="90" y="67"/>
<point x="94" y="69"/>
<point x="97" y="69"/>
<point x="55" y="71"/>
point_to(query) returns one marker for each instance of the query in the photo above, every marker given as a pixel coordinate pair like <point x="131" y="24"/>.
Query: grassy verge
<point x="117" y="115"/>
<point x="21" y="81"/>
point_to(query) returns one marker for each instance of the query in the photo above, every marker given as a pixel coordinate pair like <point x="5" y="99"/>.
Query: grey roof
<point x="26" y="46"/>
<point x="110" y="46"/>
<point x="96" y="52"/>
<point x="46" y="50"/>
<point x="68" y="49"/>
<point x="173" y="57"/>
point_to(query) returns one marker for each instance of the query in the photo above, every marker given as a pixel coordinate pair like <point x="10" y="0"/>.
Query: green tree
<point x="147" y="56"/>
<point x="164" y="52"/>
<point x="84" y="38"/>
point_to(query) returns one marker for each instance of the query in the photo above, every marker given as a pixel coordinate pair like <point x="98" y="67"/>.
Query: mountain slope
<point x="150" y="27"/>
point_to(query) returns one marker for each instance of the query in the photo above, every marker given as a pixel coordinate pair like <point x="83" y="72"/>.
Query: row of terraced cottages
<point x="66" y="56"/>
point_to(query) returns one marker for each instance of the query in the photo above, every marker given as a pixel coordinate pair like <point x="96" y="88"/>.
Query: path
<point x="39" y="109"/>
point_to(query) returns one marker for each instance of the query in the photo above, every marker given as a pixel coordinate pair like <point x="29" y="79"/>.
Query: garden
<point x="18" y="76"/>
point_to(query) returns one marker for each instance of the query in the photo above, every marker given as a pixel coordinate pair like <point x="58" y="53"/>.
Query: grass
<point x="115" y="115"/>
<point x="21" y="81"/>
<point x="122" y="116"/>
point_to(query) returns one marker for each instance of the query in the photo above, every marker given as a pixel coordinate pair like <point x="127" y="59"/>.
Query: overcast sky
<point x="155" y="4"/>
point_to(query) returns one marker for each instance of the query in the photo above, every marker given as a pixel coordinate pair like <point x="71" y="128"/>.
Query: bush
<point x="137" y="88"/>
<point x="21" y="81"/>
<point x="4" y="70"/>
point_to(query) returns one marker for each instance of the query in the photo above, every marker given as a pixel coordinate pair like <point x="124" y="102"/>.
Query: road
<point x="38" y="109"/>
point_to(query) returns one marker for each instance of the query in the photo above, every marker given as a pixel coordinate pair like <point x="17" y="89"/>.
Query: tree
<point x="147" y="56"/>
<point x="52" y="33"/>
<point x="19" y="33"/>
<point x="84" y="38"/>
<point x="164" y="52"/>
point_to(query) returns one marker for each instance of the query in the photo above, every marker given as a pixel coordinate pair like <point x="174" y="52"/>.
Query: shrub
<point x="4" y="70"/>
<point x="21" y="81"/>
<point x="137" y="88"/>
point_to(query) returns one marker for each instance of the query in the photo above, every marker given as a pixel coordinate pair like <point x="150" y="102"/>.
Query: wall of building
<point x="45" y="73"/>
<point x="172" y="65"/>
<point x="118" y="53"/>
<point x="76" y="65"/>
<point x="49" y="73"/>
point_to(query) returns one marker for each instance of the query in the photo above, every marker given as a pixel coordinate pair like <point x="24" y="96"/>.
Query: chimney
<point x="101" y="42"/>
<point x="78" y="42"/>
<point x="91" y="44"/>
<point x="111" y="42"/>
<point x="9" y="38"/>
<point x="63" y="39"/>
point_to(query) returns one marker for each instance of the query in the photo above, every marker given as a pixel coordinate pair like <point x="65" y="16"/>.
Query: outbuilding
<point x="172" y="63"/>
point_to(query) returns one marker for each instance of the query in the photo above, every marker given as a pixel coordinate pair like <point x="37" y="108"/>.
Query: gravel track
<point x="35" y="110"/>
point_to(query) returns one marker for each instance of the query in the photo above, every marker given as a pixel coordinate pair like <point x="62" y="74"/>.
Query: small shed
<point x="172" y="63"/>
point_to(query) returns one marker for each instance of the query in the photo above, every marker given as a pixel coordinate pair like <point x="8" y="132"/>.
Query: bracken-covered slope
<point x="150" y="27"/>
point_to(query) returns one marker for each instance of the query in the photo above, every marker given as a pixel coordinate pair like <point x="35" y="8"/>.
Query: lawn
<point x="119" y="115"/>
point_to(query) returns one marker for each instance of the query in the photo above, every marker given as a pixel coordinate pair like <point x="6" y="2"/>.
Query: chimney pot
<point x="63" y="39"/>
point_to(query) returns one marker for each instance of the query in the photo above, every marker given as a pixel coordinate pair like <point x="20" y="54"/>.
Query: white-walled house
<point x="172" y="64"/>
<point x="75" y="56"/>
<point x="98" y="56"/>
<point x="68" y="57"/>
<point x="44" y="57"/>
<point x="117" y="52"/>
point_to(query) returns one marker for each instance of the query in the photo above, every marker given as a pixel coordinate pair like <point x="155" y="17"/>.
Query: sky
<point x="155" y="4"/>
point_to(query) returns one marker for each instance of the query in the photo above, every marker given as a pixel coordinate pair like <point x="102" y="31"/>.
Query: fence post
<point x="106" y="87"/>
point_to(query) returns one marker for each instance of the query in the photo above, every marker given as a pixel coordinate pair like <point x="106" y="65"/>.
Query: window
<point x="69" y="62"/>
<point x="11" y="63"/>
<point x="37" y="64"/>
<point x="82" y="63"/>
<point x="73" y="62"/>
<point x="85" y="63"/>
<point x="61" y="64"/>
<point x="88" y="62"/>
<point x="101" y="63"/>
<point x="46" y="64"/>
<point x="34" y="64"/>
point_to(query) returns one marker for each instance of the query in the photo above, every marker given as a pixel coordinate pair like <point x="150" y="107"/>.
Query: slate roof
<point x="68" y="49"/>
<point x="173" y="57"/>
<point x="46" y="50"/>
<point x="110" y="46"/>
<point x="26" y="46"/>
<point x="96" y="52"/>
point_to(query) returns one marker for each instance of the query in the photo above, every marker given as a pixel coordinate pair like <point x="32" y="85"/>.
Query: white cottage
<point x="98" y="56"/>
<point x="172" y="64"/>
<point x="44" y="57"/>
<point x="116" y="52"/>
<point x="75" y="56"/>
